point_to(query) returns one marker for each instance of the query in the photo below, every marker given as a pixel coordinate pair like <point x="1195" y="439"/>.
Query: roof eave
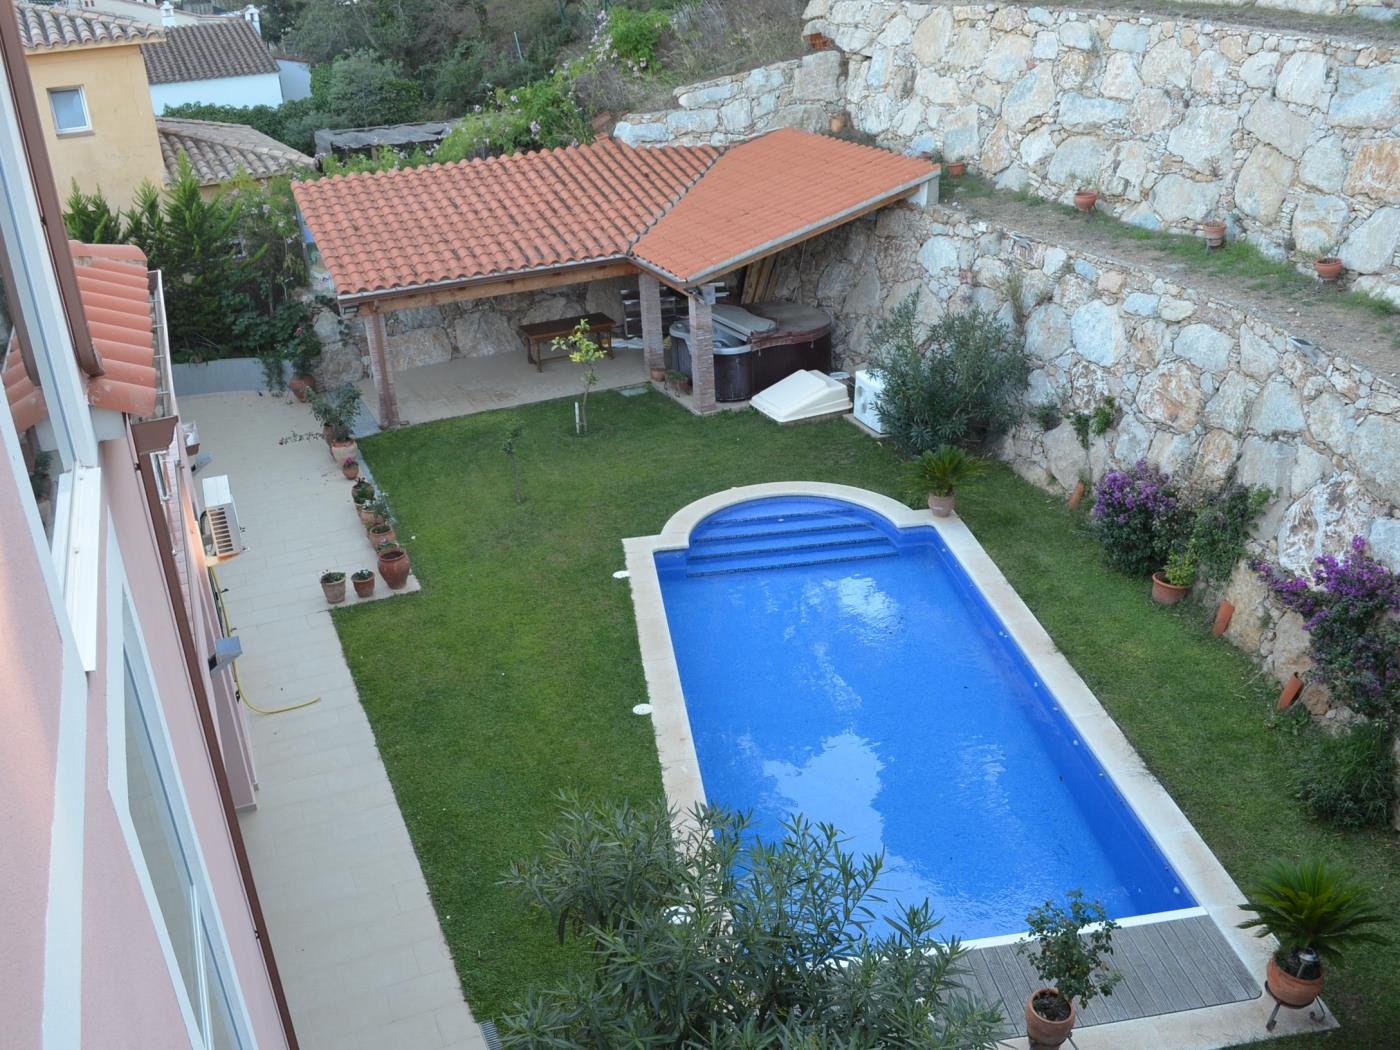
<point x="366" y="298"/>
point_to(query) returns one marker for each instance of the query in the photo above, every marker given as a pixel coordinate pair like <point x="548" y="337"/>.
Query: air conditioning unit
<point x="870" y="383"/>
<point x="223" y="538"/>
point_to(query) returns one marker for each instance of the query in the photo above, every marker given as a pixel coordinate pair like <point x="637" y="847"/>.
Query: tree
<point x="364" y="90"/>
<point x="585" y="351"/>
<point x="709" y="937"/>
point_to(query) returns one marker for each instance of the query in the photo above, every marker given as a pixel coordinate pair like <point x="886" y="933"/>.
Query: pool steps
<point x="780" y="537"/>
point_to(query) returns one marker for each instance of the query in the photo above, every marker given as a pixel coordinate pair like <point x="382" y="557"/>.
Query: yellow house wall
<point x="122" y="150"/>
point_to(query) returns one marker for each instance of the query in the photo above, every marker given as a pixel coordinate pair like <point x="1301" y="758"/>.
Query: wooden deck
<point x="1167" y="967"/>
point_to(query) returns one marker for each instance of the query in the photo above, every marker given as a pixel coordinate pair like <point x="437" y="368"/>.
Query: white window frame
<point x="82" y="101"/>
<point x="125" y="645"/>
<point x="74" y="549"/>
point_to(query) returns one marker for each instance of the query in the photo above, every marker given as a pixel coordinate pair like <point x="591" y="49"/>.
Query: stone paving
<point x="357" y="939"/>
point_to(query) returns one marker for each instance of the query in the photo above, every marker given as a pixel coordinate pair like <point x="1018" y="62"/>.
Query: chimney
<point x="167" y="14"/>
<point x="250" y="14"/>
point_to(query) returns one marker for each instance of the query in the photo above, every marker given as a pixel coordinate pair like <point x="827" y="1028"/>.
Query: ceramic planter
<point x="1165" y="593"/>
<point x="350" y="469"/>
<point x="341" y="451"/>
<point x="297" y="385"/>
<point x="1085" y="200"/>
<point x="363" y="588"/>
<point x="1290" y="990"/>
<point x="1328" y="268"/>
<point x="956" y="168"/>
<point x="381" y="533"/>
<point x="393" y="566"/>
<point x="1075" y="496"/>
<point x="333" y="586"/>
<point x="1042" y="1031"/>
<point x="658" y="375"/>
<point x="1223" y="613"/>
<point x="367" y="516"/>
<point x="1215" y="233"/>
<point x="942" y="506"/>
<point x="1289" y="693"/>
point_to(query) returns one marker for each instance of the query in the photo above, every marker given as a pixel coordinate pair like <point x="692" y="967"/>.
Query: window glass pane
<point x="154" y="821"/>
<point x="221" y="1034"/>
<point x="69" y="109"/>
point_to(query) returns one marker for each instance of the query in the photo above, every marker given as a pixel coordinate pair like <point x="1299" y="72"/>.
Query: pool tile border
<point x="1214" y="890"/>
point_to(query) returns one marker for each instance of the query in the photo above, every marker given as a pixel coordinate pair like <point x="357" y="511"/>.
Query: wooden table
<point x="540" y="337"/>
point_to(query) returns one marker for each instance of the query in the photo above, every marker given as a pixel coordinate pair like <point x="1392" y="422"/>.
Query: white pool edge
<point x="1214" y="890"/>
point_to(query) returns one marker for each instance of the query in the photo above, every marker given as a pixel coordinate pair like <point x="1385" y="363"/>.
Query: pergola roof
<point x="684" y="213"/>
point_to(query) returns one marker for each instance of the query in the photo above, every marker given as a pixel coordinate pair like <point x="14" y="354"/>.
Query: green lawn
<point x="511" y="676"/>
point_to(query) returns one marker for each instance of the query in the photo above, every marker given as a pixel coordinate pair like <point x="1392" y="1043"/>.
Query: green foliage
<point x="1180" y="570"/>
<point x="1066" y="957"/>
<point x="941" y="471"/>
<point x="363" y="89"/>
<point x="293" y="123"/>
<point x="1047" y="414"/>
<point x="715" y="938"/>
<point x="1347" y="778"/>
<point x="90" y="219"/>
<point x="1316" y="905"/>
<point x="336" y="409"/>
<point x="583" y="350"/>
<point x="956" y="382"/>
<point x="1095" y="423"/>
<point x="1223" y="520"/>
<point x="540" y="115"/>
<point x="630" y="36"/>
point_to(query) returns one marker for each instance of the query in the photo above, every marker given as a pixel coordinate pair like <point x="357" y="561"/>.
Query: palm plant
<point x="941" y="471"/>
<point x="1312" y="906"/>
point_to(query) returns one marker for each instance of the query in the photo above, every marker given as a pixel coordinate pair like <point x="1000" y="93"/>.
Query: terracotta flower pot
<point x="1328" y="268"/>
<point x="333" y="586"/>
<point x="367" y="516"/>
<point x="1085" y="200"/>
<point x="1223" y="613"/>
<point x="1165" y="593"/>
<point x="1215" y="233"/>
<point x="1042" y="1031"/>
<point x="393" y="566"/>
<point x="363" y="588"/>
<point x="942" y="506"/>
<point x="1289" y="692"/>
<point x="1075" y="496"/>
<point x="342" y="450"/>
<point x="381" y="533"/>
<point x="818" y="41"/>
<point x="956" y="168"/>
<point x="350" y="469"/>
<point x="658" y="375"/>
<point x="297" y="385"/>
<point x="1290" y="990"/>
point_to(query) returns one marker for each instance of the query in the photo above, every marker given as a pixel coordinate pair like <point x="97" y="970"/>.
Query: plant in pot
<point x="380" y="533"/>
<point x="1067" y="947"/>
<point x="1327" y="266"/>
<point x="393" y="565"/>
<point x="363" y="582"/>
<point x="303" y="348"/>
<point x="336" y="413"/>
<point x="1318" y="910"/>
<point x="351" y="468"/>
<point x="333" y="586"/>
<point x="935" y="475"/>
<point x="1086" y="192"/>
<point x="1215" y="230"/>
<point x="955" y="169"/>
<point x="1177" y="577"/>
<point x="1091" y="425"/>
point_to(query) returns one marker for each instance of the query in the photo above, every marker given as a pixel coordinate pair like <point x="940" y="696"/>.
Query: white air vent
<point x="222" y="536"/>
<point x="870" y="383"/>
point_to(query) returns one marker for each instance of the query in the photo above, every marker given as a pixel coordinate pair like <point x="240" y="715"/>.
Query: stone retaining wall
<point x="1204" y="386"/>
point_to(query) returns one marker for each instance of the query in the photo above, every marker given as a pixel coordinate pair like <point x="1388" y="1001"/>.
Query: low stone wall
<point x="1205" y="387"/>
<point x="429" y="335"/>
<point x="1378" y="10"/>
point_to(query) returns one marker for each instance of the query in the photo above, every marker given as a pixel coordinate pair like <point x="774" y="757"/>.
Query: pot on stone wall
<point x="818" y="41"/>
<point x="1085" y="200"/>
<point x="1328" y="268"/>
<point x="1075" y="496"/>
<point x="956" y="169"/>
<point x="1215" y="233"/>
<point x="1223" y="614"/>
<point x="1164" y="593"/>
<point x="1289" y="692"/>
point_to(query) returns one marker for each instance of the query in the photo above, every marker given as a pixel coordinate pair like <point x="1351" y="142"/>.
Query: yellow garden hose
<point x="228" y="632"/>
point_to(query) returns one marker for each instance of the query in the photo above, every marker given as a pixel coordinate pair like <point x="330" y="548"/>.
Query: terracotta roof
<point x="493" y="216"/>
<point x="43" y="27"/>
<point x="771" y="191"/>
<point x="116" y="300"/>
<point x="229" y="47"/>
<point x="220" y="151"/>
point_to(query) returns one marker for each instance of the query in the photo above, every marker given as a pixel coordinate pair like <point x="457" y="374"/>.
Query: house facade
<point x="130" y="917"/>
<point x="223" y="62"/>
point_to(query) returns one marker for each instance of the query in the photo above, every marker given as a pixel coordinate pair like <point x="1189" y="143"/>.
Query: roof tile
<point x="229" y="47"/>
<point x="218" y="152"/>
<point x="44" y="27"/>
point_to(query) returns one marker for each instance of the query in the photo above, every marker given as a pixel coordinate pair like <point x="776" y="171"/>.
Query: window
<point x="70" y="112"/>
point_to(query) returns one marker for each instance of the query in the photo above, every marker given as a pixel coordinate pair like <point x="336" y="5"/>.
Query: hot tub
<point x="757" y="345"/>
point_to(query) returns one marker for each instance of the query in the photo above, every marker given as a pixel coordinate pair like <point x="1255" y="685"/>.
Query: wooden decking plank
<point x="1227" y="984"/>
<point x="985" y="988"/>
<point x="1143" y="969"/>
<point x="1175" y="988"/>
<point x="1015" y="988"/>
<point x="1230" y="965"/>
<point x="1184" y="948"/>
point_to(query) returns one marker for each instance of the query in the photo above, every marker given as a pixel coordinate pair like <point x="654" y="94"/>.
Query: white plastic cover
<point x="737" y="319"/>
<point x="802" y="395"/>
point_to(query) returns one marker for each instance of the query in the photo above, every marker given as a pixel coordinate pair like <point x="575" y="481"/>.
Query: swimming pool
<point x="836" y="665"/>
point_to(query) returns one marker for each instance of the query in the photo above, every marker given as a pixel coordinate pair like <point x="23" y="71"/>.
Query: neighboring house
<point x="295" y="74"/>
<point x="93" y="100"/>
<point x="130" y="915"/>
<point x="220" y="63"/>
<point x="218" y="152"/>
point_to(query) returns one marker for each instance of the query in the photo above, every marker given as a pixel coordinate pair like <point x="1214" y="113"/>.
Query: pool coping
<point x="1206" y="878"/>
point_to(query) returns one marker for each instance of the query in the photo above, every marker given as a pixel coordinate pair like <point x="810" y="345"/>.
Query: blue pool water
<point x="836" y="666"/>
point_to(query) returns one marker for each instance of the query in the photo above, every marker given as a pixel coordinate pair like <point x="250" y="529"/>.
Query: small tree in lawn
<point x="582" y="351"/>
<point x="508" y="446"/>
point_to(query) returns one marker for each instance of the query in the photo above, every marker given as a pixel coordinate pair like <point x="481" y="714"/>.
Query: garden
<point x="511" y="677"/>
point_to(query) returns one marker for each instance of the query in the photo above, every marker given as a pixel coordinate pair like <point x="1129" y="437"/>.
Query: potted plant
<point x="362" y="491"/>
<point x="380" y="533"/>
<point x="333" y="586"/>
<point x="1318" y="911"/>
<point x="658" y="375"/>
<point x="351" y="468"/>
<point x="955" y="168"/>
<point x="393" y="565"/>
<point x="937" y="474"/>
<point x="1215" y="232"/>
<point x="1178" y="576"/>
<point x="363" y="581"/>
<point x="1071" y="963"/>
<point x="1328" y="267"/>
<point x="336" y="413"/>
<point x="1086" y="192"/>
<point x="680" y="382"/>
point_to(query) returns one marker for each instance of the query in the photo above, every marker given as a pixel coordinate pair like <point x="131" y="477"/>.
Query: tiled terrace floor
<point x="357" y="940"/>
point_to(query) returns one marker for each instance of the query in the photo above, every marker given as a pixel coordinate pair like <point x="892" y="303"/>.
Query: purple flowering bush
<point x="1140" y="517"/>
<point x="1349" y="608"/>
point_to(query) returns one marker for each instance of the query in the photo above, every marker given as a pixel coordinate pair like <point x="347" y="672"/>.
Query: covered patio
<point x="682" y="216"/>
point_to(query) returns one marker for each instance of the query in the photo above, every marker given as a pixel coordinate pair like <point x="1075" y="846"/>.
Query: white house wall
<point x="264" y="89"/>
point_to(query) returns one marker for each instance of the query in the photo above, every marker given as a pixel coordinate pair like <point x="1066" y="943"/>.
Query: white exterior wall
<point x="295" y="77"/>
<point x="265" y="89"/>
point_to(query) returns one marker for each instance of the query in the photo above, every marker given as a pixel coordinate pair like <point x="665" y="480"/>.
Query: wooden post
<point x="381" y="372"/>
<point x="649" y="289"/>
<point x="702" y="354"/>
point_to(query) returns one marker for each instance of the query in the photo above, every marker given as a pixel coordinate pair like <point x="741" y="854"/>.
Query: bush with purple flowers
<point x="1140" y="517"/>
<point x="1349" y="608"/>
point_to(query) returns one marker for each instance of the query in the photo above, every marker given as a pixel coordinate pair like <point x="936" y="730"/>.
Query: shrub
<point x="1139" y="517"/>
<point x="630" y="37"/>
<point x="956" y="382"/>
<point x="710" y="938"/>
<point x="1066" y="957"/>
<point x="539" y="115"/>
<point x="940" y="472"/>
<point x="1347" y="779"/>
<point x="1348" y="607"/>
<point x="1222" y="522"/>
<point x="1312" y="905"/>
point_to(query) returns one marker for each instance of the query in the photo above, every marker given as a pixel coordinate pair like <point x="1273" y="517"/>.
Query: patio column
<point x="702" y="355"/>
<point x="649" y="289"/>
<point x="380" y="371"/>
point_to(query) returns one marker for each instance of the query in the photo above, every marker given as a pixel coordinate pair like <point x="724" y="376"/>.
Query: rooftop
<point x="44" y="28"/>
<point x="229" y="47"/>
<point x="220" y="151"/>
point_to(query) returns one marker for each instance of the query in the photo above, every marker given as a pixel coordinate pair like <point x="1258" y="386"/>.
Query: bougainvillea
<point x="1140" y="517"/>
<point x="1348" y="606"/>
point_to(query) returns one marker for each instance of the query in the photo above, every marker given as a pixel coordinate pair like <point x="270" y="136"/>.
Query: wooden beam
<point x="504" y="286"/>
